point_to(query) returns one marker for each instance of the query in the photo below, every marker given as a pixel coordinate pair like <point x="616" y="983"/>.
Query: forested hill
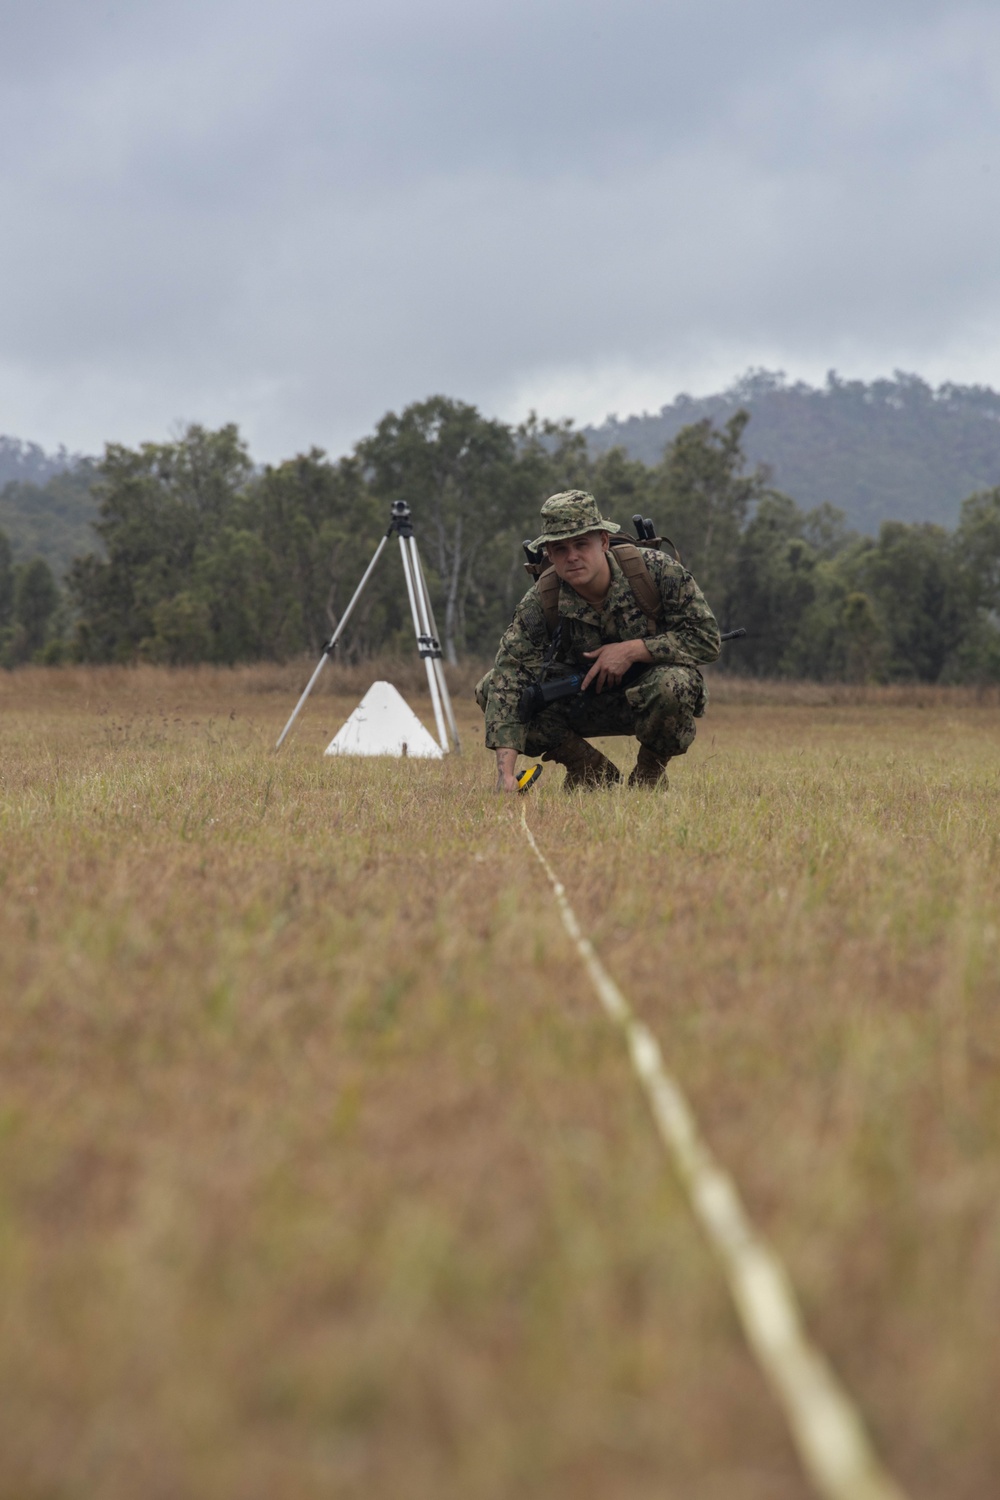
<point x="892" y="450"/>
<point x="46" y="507"/>
<point x="51" y="519"/>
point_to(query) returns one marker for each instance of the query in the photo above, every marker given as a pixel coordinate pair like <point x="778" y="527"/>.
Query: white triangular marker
<point x="384" y="724"/>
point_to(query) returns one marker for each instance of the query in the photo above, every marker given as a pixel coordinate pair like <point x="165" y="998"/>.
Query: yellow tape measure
<point x="528" y="778"/>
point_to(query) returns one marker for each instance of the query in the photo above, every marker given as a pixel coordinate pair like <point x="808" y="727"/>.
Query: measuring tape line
<point x="825" y="1425"/>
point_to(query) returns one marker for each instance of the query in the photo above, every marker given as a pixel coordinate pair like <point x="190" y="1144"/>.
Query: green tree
<point x="6" y="582"/>
<point x="460" y="473"/>
<point x="774" y="585"/>
<point x="553" y="456"/>
<point x="623" y="486"/>
<point x="862" y="639"/>
<point x="978" y="547"/>
<point x="181" y="631"/>
<point x="914" y="575"/>
<point x="160" y="506"/>
<point x="702" y="497"/>
<point x="320" y="526"/>
<point x="35" y="602"/>
<point x="978" y="544"/>
<point x="826" y="530"/>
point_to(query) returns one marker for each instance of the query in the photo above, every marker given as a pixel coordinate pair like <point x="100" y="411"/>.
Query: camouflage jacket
<point x="686" y="635"/>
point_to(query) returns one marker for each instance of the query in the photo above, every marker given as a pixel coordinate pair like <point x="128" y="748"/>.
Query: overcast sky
<point x="299" y="215"/>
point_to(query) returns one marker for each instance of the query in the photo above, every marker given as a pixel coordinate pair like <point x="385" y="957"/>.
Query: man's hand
<point x="506" y="769"/>
<point x="611" y="662"/>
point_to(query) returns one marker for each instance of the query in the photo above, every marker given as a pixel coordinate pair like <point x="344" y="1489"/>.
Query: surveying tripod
<point x="423" y="626"/>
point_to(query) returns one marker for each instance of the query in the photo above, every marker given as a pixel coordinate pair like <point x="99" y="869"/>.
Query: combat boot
<point x="585" y="766"/>
<point x="650" y="770"/>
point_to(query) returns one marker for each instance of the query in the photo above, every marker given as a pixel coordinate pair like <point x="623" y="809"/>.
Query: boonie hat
<point x="571" y="513"/>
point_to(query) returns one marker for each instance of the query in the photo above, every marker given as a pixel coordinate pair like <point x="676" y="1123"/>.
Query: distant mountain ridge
<point x="894" y="449"/>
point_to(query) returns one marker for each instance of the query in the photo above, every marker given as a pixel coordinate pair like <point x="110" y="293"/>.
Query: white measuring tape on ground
<point x="825" y="1425"/>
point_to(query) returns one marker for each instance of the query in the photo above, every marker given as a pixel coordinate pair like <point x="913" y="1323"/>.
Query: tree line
<point x="204" y="557"/>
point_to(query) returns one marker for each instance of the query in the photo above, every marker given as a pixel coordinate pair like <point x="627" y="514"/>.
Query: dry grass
<point x="320" y="1173"/>
<point x="747" y="691"/>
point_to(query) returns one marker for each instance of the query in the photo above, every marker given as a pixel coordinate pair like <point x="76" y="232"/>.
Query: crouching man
<point x="639" y="642"/>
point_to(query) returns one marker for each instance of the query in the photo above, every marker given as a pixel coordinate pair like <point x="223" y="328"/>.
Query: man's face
<point x="581" y="560"/>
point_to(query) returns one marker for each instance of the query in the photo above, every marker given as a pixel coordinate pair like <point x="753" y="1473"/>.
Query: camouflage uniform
<point x="659" y="708"/>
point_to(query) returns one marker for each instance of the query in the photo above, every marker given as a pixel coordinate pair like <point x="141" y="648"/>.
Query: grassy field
<point x="321" y="1172"/>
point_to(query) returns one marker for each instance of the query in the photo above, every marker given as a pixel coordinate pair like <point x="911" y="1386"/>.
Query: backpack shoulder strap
<point x="633" y="565"/>
<point x="548" y="593"/>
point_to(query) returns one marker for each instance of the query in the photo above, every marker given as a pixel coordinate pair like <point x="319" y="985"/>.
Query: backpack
<point x="629" y="559"/>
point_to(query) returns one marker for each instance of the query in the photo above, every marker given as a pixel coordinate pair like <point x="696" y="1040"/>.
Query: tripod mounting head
<point x="400" y="522"/>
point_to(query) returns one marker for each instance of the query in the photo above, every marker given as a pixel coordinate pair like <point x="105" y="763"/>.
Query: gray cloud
<point x="296" y="216"/>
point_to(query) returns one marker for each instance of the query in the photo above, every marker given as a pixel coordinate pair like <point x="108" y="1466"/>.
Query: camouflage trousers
<point x="659" y="709"/>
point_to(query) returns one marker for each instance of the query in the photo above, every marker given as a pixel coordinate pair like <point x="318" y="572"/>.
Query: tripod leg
<point x="439" y="665"/>
<point x="421" y="626"/>
<point x="432" y="683"/>
<point x="446" y="700"/>
<point x="328" y="648"/>
<point x="298" y="707"/>
<point x="423" y="593"/>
